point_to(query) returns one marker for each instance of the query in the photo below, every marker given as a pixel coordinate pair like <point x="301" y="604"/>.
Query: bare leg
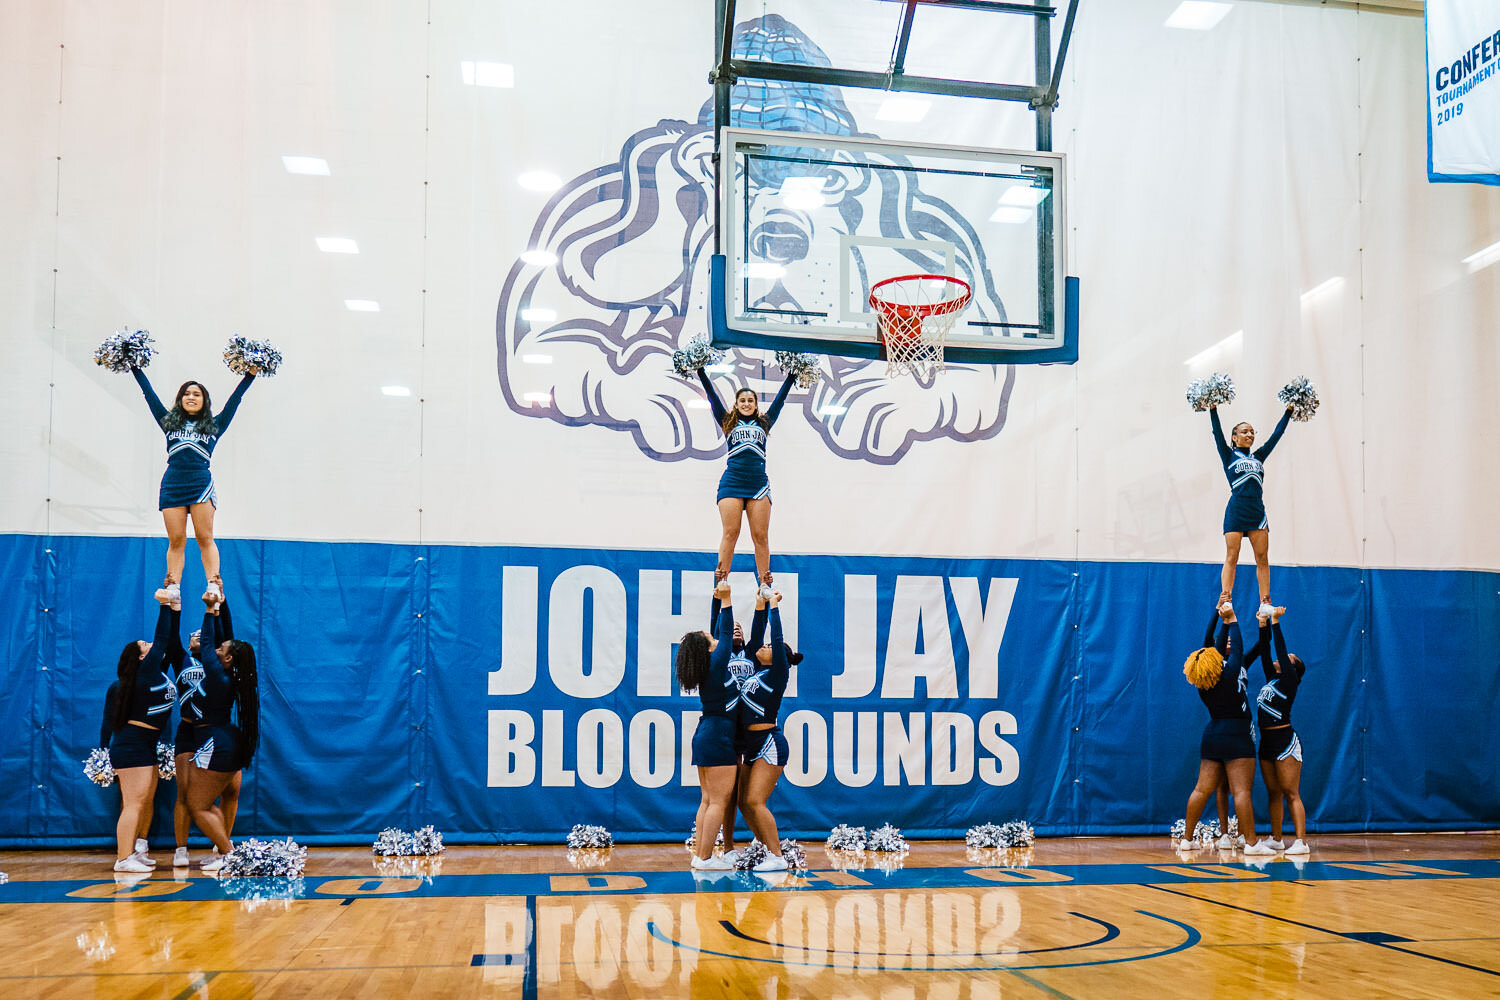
<point x="137" y="786"/>
<point x="203" y="530"/>
<point x="175" y="518"/>
<point x="1221" y="799"/>
<point x="229" y="802"/>
<point x="203" y="788"/>
<point x="753" y="796"/>
<point x="1289" y="774"/>
<point x="758" y="512"/>
<point x="1232" y="540"/>
<point x="1241" y="783"/>
<point x="729" y="517"/>
<point x="1273" y="793"/>
<point x="181" y="817"/>
<point x="1260" y="543"/>
<point x="1210" y="773"/>
<point x="717" y="784"/>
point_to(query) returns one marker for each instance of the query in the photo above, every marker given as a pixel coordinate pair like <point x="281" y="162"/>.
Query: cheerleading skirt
<point x="1227" y="739"/>
<point x="1280" y="743"/>
<point x="133" y="746"/>
<point x="218" y="748"/>
<point x="743" y="484"/>
<point x="713" y="742"/>
<point x="185" y="486"/>
<point x="1245" y="514"/>
<point x="769" y="745"/>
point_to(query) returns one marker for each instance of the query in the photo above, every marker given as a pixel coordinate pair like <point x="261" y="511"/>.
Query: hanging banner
<point x="1463" y="91"/>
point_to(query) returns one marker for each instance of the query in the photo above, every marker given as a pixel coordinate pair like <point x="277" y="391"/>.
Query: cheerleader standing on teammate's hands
<point x="143" y="706"/>
<point x="1245" y="514"/>
<point x="703" y="665"/>
<point x="744" y="487"/>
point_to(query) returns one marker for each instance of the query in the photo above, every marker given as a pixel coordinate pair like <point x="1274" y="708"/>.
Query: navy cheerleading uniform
<point x="218" y="741"/>
<point x="151" y="701"/>
<point x="1273" y="706"/>
<point x="759" y="700"/>
<point x="744" y="475"/>
<point x="1228" y="735"/>
<point x="189" y="479"/>
<point x="713" y="740"/>
<point x="1245" y="471"/>
<point x="190" y="684"/>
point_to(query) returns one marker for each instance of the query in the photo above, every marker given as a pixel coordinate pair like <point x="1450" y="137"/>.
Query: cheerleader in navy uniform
<point x="1245" y="513"/>
<point x="142" y="707"/>
<point x="189" y="687"/>
<point x="187" y="487"/>
<point x="1280" y="747"/>
<point x="744" y="486"/>
<point x="223" y="747"/>
<point x="760" y="744"/>
<point x="1227" y="748"/>
<point x="703" y="666"/>
<point x="739" y="667"/>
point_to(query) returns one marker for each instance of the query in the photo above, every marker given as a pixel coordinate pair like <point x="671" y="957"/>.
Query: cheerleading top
<point x="213" y="697"/>
<point x="188" y="479"/>
<point x="1273" y="706"/>
<point x="190" y="676"/>
<point x="760" y="693"/>
<point x="1226" y="699"/>
<point x="745" y="472"/>
<point x="1246" y="470"/>
<point x="152" y="697"/>
<point x="714" y="692"/>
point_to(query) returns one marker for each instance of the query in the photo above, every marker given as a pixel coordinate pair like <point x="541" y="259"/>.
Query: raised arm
<point x="152" y="400"/>
<point x="713" y="397"/>
<point x="1264" y="451"/>
<point x="780" y="400"/>
<point x="1213" y="625"/>
<point x="208" y="651"/>
<point x="1282" y="656"/>
<point x="713" y="613"/>
<point x="1262" y="648"/>
<point x="1225" y="453"/>
<point x="1234" y="648"/>
<point x="224" y="629"/>
<point x="757" y="628"/>
<point x="227" y="414"/>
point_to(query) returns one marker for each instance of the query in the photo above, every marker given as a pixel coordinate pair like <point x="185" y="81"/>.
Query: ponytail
<point x="125" y="670"/>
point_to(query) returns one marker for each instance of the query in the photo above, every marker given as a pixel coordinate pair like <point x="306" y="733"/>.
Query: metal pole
<point x="723" y="81"/>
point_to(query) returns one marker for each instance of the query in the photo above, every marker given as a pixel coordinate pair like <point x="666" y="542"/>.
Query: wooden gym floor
<point x="1363" y="916"/>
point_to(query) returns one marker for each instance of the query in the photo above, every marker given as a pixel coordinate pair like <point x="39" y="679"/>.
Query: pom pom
<point x="245" y="356"/>
<point x="751" y="855"/>
<point x="1017" y="833"/>
<point x="1216" y="390"/>
<point x="590" y="836"/>
<point x="124" y="350"/>
<point x="888" y="840"/>
<point x="846" y="838"/>
<point x="1301" y="397"/>
<point x="985" y="835"/>
<point x="588" y="857"/>
<point x="692" y="837"/>
<point x="279" y="858"/>
<point x="794" y="855"/>
<point x="392" y="842"/>
<point x="166" y="761"/>
<point x="98" y="769"/>
<point x="1204" y="833"/>
<point x="697" y="355"/>
<point x="426" y="841"/>
<point x="804" y="367"/>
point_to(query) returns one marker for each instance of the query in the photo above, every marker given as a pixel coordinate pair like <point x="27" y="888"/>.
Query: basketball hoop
<point x="915" y="313"/>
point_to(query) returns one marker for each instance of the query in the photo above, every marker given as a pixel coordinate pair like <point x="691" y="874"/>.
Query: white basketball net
<point x="915" y="314"/>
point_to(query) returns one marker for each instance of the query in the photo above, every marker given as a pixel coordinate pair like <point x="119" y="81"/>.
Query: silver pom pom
<point x="426" y="841"/>
<point x="588" y="857"/>
<point x="98" y="769"/>
<point x="698" y="354"/>
<point x="391" y="843"/>
<point x="794" y="855"/>
<point x="590" y="836"/>
<point x="1017" y="833"/>
<point x="1301" y="397"/>
<point x="803" y="366"/>
<point x="1216" y="390"/>
<point x="888" y="840"/>
<point x="846" y="838"/>
<point x="124" y="350"/>
<point x="166" y="761"/>
<point x="692" y="838"/>
<point x="751" y="855"/>
<point x="985" y="835"/>
<point x="1204" y="833"/>
<point x="280" y="858"/>
<point x="246" y="356"/>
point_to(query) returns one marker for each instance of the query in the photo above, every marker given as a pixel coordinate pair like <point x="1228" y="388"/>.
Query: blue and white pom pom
<point x="276" y="858"/>
<point x="1301" y="397"/>
<point x="793" y="854"/>
<point x="125" y="349"/>
<point x="98" y="769"/>
<point x="427" y="841"/>
<point x="804" y="367"/>
<point x="846" y="838"/>
<point x="392" y="843"/>
<point x="246" y="356"/>
<point x="590" y="836"/>
<point x="166" y="761"/>
<point x="888" y="840"/>
<point x="1216" y="390"/>
<point x="698" y="354"/>
<point x="984" y="835"/>
<point x="1016" y="833"/>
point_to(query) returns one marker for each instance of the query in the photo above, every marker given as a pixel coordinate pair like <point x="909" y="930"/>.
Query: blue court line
<point x="528" y="981"/>
<point x="666" y="883"/>
<point x="1192" y="937"/>
<point x="1110" y="933"/>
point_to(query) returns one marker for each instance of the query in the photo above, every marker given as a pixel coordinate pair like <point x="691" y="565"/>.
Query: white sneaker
<point x="180" y="858"/>
<point x="131" y="864"/>
<point x="145" y="859"/>
<point x="212" y="864"/>
<point x="1226" y="843"/>
<point x="711" y="864"/>
<point x="170" y="594"/>
<point x="1187" y="844"/>
<point x="1266" y="609"/>
<point x="141" y="847"/>
<point x="1298" y="847"/>
<point x="766" y="593"/>
<point x="211" y="857"/>
<point x="772" y="863"/>
<point x="733" y="857"/>
<point x="1260" y="847"/>
<point x="1276" y="845"/>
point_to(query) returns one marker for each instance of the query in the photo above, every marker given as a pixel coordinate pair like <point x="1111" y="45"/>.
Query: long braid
<point x="125" y="671"/>
<point x="246" y="697"/>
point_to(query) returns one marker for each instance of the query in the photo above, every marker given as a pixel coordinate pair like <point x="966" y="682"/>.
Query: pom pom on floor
<point x="245" y="356"/>
<point x="277" y="858"/>
<point x="1204" y="833"/>
<point x="1016" y="833"/>
<point x="393" y="843"/>
<point x="697" y="355"/>
<point x="888" y="840"/>
<point x="751" y="855"/>
<point x="590" y="836"/>
<point x="426" y="841"/>
<point x="803" y="367"/>
<point x="1301" y="397"/>
<point x="846" y="838"/>
<point x="124" y="350"/>
<point x="692" y="837"/>
<point x="166" y="761"/>
<point x="794" y="855"/>
<point x="98" y="769"/>
<point x="1216" y="390"/>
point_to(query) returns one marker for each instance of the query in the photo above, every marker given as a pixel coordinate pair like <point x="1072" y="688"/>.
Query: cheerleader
<point x="143" y="704"/>
<point x="187" y="486"/>
<point x="1245" y="513"/>
<point x="1227" y="749"/>
<point x="739" y="666"/>
<point x="703" y="666"/>
<point x="744" y="487"/>
<point x="223" y="748"/>
<point x="1280" y="747"/>
<point x="190" y="687"/>
<point x="760" y="744"/>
